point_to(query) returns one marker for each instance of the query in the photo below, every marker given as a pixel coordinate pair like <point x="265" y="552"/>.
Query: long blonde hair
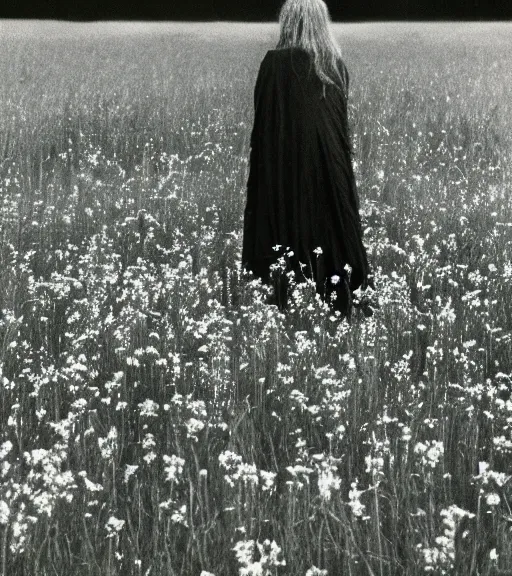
<point x="306" y="24"/>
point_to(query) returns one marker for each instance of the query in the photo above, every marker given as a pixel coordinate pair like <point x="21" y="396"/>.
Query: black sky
<point x="255" y="10"/>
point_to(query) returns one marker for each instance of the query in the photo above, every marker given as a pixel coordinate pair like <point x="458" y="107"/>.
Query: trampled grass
<point x="156" y="416"/>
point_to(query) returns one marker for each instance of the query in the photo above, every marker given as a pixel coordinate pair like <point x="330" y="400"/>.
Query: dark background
<point x="255" y="10"/>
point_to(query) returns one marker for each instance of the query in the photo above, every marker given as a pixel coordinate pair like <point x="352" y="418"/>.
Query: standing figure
<point x="302" y="200"/>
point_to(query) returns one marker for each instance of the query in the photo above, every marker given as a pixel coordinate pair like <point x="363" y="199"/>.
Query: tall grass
<point x="156" y="416"/>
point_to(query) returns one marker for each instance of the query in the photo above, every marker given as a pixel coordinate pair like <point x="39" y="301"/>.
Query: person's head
<point x="306" y="24"/>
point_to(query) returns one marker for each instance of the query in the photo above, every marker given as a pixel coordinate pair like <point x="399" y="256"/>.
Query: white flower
<point x="148" y="441"/>
<point x="148" y="408"/>
<point x="430" y="452"/>
<point x="354" y="501"/>
<point x="229" y="460"/>
<point x="253" y="569"/>
<point x="269" y="552"/>
<point x="4" y="512"/>
<point x="36" y="456"/>
<point x="314" y="571"/>
<point x="174" y="468"/>
<point x="327" y="482"/>
<point x="244" y="550"/>
<point x="406" y="434"/>
<point x="248" y="473"/>
<point x="193" y="427"/>
<point x="91" y="486"/>
<point x="374" y="464"/>
<point x="299" y="469"/>
<point x="318" y="250"/>
<point x="113" y="526"/>
<point x="335" y="278"/>
<point x="129" y="471"/>
<point x="492" y="499"/>
<point x="109" y="444"/>
<point x="149" y="457"/>
<point x="152" y="351"/>
<point x="180" y="516"/>
<point x="268" y="480"/>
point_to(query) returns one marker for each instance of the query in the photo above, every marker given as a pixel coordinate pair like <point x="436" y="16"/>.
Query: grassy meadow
<point x="156" y="416"/>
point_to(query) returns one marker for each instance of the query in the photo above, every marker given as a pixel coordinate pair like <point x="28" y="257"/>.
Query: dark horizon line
<point x="253" y="21"/>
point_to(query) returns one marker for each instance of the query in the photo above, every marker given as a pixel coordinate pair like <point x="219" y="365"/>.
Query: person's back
<point x="301" y="192"/>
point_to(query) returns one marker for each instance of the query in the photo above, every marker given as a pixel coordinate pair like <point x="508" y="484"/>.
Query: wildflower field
<point x="157" y="417"/>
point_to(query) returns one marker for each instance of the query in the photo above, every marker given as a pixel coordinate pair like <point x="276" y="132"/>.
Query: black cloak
<point x="301" y="190"/>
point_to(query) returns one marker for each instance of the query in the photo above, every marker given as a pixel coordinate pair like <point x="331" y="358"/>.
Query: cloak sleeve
<point x="252" y="184"/>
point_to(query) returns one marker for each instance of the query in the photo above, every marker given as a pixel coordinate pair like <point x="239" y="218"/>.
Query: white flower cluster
<point x="268" y="480"/>
<point x="174" y="468"/>
<point x="115" y="382"/>
<point x="108" y="445"/>
<point x="328" y="480"/>
<point x="194" y="426"/>
<point x="502" y="443"/>
<point x="375" y="459"/>
<point x="148" y="445"/>
<point x="4" y="512"/>
<point x="300" y="474"/>
<point x="148" y="408"/>
<point x="354" y="496"/>
<point x="113" y="526"/>
<point x="487" y="478"/>
<point x="5" y="466"/>
<point x="270" y="557"/>
<point x="129" y="471"/>
<point x="441" y="556"/>
<point x="5" y="448"/>
<point x="247" y="473"/>
<point x="314" y="571"/>
<point x="179" y="516"/>
<point x="430" y="452"/>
